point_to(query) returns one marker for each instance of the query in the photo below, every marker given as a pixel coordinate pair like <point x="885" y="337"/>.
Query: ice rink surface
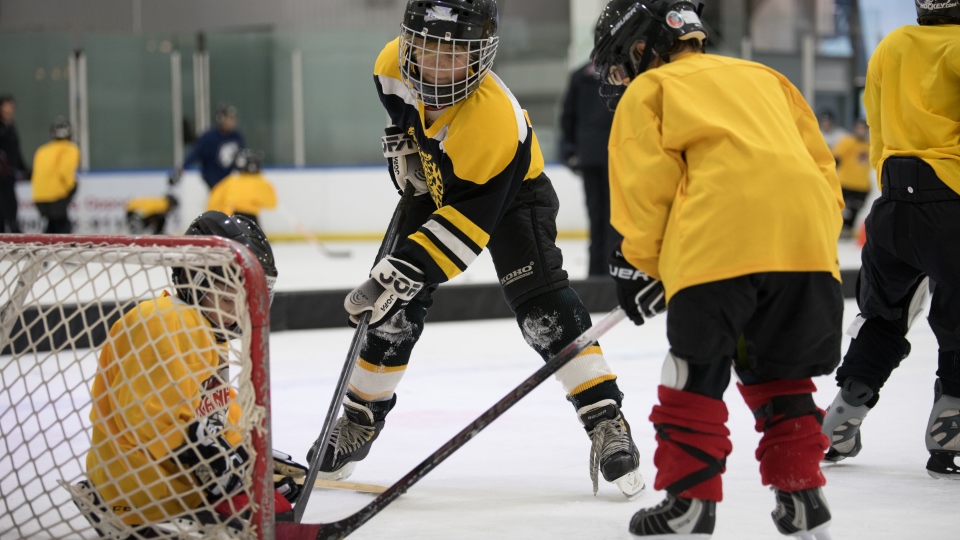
<point x="526" y="476"/>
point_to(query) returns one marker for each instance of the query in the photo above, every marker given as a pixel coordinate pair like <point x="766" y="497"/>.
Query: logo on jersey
<point x="674" y="20"/>
<point x="228" y="153"/>
<point x="517" y="274"/>
<point x="431" y="172"/>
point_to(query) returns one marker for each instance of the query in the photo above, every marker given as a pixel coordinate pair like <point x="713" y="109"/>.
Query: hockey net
<point x="66" y="472"/>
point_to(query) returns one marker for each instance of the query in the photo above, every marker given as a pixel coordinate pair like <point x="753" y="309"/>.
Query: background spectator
<point x="217" y="148"/>
<point x="12" y="165"/>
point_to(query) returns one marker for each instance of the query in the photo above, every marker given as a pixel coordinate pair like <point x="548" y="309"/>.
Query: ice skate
<point x="844" y="417"/>
<point x="612" y="452"/>
<point x="943" y="436"/>
<point x="676" y="518"/>
<point x="802" y="514"/>
<point x="352" y="436"/>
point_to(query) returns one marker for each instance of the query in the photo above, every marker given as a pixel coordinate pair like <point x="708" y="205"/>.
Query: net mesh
<point x="104" y="372"/>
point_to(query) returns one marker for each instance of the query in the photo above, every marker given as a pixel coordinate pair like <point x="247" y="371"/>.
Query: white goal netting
<point x="105" y="374"/>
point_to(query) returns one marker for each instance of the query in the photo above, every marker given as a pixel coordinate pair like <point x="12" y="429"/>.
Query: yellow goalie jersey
<point x="54" y="171"/>
<point x="718" y="170"/>
<point x="157" y="373"/>
<point x="245" y="193"/>
<point x="475" y="155"/>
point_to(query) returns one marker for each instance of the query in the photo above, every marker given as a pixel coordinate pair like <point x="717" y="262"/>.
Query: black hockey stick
<point x="389" y="242"/>
<point x="342" y="528"/>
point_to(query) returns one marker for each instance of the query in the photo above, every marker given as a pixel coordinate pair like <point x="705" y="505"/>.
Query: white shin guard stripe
<point x="374" y="385"/>
<point x="583" y="369"/>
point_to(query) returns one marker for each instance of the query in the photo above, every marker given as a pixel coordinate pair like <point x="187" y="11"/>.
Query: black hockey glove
<point x="392" y="284"/>
<point x="217" y="467"/>
<point x="639" y="295"/>
<point x="403" y="161"/>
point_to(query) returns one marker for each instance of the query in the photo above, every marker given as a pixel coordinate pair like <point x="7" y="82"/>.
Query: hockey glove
<point x="392" y="284"/>
<point x="403" y="161"/>
<point x="283" y="464"/>
<point x="639" y="295"/>
<point x="217" y="467"/>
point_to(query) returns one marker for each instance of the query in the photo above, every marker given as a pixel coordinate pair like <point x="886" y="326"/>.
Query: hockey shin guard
<point x="692" y="444"/>
<point x="792" y="445"/>
<point x="549" y="323"/>
<point x="877" y="348"/>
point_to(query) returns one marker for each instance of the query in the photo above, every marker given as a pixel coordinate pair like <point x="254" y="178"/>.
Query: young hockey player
<point x="462" y="139"/>
<point x="246" y="192"/>
<point x="853" y="168"/>
<point x="216" y="149"/>
<point x="148" y="215"/>
<point x="729" y="204"/>
<point x="55" y="177"/>
<point x="163" y="439"/>
<point x="911" y="232"/>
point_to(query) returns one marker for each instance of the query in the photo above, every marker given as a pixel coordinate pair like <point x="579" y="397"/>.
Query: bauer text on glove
<point x="640" y="295"/>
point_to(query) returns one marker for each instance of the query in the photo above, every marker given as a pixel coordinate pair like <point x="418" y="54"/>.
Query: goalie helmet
<point x="624" y="24"/>
<point x="938" y="11"/>
<point x="191" y="285"/>
<point x="248" y="161"/>
<point x="447" y="48"/>
<point x="60" y="129"/>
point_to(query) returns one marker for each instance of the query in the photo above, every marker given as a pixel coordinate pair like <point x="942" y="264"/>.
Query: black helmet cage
<point x="60" y="129"/>
<point x="192" y="285"/>
<point x="455" y="40"/>
<point x="248" y="161"/>
<point x="931" y="12"/>
<point x="624" y="24"/>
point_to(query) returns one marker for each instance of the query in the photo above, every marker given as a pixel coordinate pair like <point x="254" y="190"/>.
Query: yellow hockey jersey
<point x="244" y="192"/>
<point x="912" y="99"/>
<point x="157" y="373"/>
<point x="148" y="206"/>
<point x="55" y="170"/>
<point x="853" y="169"/>
<point x="718" y="170"/>
<point x="475" y="155"/>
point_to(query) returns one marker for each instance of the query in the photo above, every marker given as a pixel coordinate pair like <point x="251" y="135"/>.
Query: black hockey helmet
<point x="938" y="11"/>
<point x="222" y="111"/>
<point x="462" y="33"/>
<point x="248" y="161"/>
<point x="624" y="24"/>
<point x="238" y="228"/>
<point x="60" y="129"/>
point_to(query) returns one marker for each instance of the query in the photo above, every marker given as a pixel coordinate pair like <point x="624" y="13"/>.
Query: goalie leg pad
<point x="693" y="443"/>
<point x="792" y="445"/>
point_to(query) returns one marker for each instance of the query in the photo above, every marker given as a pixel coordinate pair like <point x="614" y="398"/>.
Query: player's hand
<point x="639" y="295"/>
<point x="403" y="161"/>
<point x="217" y="467"/>
<point x="392" y="284"/>
<point x="283" y="464"/>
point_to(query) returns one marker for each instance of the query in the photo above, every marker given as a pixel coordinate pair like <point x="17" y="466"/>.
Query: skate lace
<point x="347" y="436"/>
<point x="608" y="437"/>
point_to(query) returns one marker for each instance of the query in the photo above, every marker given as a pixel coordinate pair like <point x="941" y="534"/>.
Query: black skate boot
<point x="844" y="416"/>
<point x="352" y="437"/>
<point x="676" y="518"/>
<point x="802" y="514"/>
<point x="943" y="435"/>
<point x="612" y="452"/>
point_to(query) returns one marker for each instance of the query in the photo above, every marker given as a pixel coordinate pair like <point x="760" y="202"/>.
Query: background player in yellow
<point x="853" y="168"/>
<point x="163" y="416"/>
<point x="148" y="215"/>
<point x="55" y="178"/>
<point x="462" y="139"/>
<point x="728" y="201"/>
<point x="913" y="83"/>
<point x="245" y="193"/>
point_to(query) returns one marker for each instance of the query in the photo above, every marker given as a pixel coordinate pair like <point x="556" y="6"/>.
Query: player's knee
<point x="675" y="372"/>
<point x="552" y="320"/>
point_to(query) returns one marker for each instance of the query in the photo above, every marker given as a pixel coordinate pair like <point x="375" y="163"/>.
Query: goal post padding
<point x="157" y="371"/>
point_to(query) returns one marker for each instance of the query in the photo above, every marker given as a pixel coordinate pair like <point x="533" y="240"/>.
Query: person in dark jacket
<point x="12" y="166"/>
<point x="585" y="127"/>
<point x="217" y="149"/>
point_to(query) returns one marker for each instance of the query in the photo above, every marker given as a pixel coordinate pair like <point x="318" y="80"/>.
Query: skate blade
<point x="816" y="533"/>
<point x="630" y="484"/>
<point x="340" y="474"/>
<point x="943" y="476"/>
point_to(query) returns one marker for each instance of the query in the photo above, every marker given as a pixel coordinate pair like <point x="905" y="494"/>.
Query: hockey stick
<point x="389" y="242"/>
<point x="307" y="235"/>
<point x="342" y="528"/>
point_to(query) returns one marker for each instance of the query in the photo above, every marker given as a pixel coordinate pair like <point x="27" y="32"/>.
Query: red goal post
<point x="59" y="297"/>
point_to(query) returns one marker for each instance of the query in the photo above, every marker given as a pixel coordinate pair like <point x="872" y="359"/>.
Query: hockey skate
<point x="844" y="417"/>
<point x="943" y="436"/>
<point x="802" y="514"/>
<point x="612" y="451"/>
<point x="352" y="436"/>
<point x="676" y="518"/>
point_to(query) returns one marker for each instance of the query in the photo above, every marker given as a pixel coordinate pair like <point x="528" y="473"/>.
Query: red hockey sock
<point x="692" y="444"/>
<point x="792" y="445"/>
<point x="228" y="507"/>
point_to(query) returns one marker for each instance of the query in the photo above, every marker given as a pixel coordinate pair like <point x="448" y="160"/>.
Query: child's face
<point x="441" y="64"/>
<point x="220" y="305"/>
<point x="861" y="130"/>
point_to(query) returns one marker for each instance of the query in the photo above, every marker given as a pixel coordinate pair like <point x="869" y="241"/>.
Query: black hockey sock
<point x="877" y="350"/>
<point x="949" y="372"/>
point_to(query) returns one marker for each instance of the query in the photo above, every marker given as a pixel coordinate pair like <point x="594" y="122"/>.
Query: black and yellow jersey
<point x="475" y="156"/>
<point x="153" y="379"/>
<point x="55" y="170"/>
<point x="912" y="99"/>
<point x="718" y="170"/>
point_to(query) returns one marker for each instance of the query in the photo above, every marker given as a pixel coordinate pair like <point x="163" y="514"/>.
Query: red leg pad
<point x="791" y="449"/>
<point x="702" y="421"/>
